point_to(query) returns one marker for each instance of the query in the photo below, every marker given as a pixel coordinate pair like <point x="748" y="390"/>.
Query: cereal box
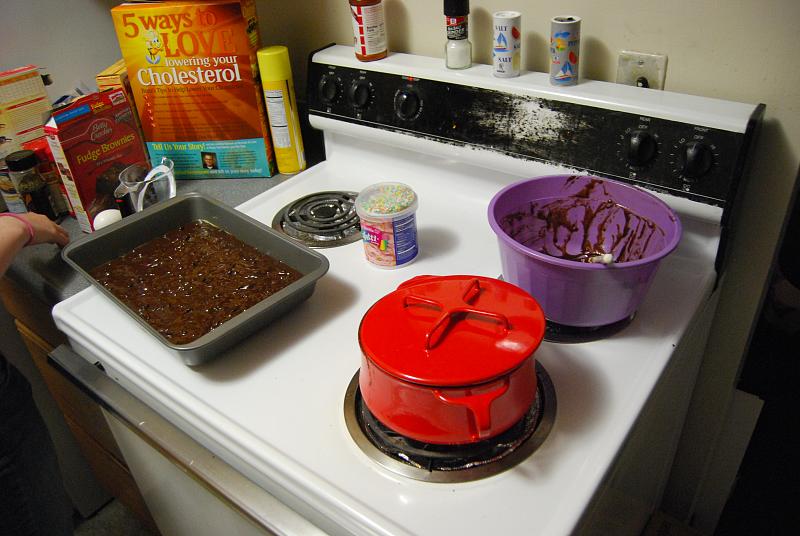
<point x="116" y="77"/>
<point x="113" y="76"/>
<point x="24" y="108"/>
<point x="92" y="140"/>
<point x="193" y="73"/>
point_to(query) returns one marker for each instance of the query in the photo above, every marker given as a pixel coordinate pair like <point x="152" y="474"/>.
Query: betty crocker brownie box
<point x="93" y="139"/>
<point x="193" y="72"/>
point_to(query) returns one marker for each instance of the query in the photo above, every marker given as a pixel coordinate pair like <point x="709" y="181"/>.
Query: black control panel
<point x="686" y="160"/>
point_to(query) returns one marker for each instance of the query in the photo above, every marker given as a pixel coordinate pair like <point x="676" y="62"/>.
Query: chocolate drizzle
<point x="584" y="225"/>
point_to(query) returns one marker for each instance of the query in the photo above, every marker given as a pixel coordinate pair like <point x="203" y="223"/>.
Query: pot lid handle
<point x="454" y="309"/>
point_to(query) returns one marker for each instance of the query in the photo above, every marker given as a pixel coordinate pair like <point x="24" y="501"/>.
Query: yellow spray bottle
<point x="284" y="120"/>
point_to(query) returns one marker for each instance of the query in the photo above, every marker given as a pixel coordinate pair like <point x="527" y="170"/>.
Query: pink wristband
<point x="20" y="217"/>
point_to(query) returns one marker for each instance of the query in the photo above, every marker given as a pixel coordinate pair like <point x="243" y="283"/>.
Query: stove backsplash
<point x="691" y="161"/>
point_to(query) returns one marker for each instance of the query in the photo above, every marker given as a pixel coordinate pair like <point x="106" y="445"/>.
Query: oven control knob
<point x="641" y="147"/>
<point x="360" y="94"/>
<point x="696" y="159"/>
<point x="329" y="89"/>
<point x="407" y="104"/>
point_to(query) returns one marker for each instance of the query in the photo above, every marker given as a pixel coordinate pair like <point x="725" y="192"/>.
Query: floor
<point x="112" y="520"/>
<point x="766" y="497"/>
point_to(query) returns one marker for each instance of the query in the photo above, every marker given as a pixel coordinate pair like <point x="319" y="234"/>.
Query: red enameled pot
<point x="450" y="359"/>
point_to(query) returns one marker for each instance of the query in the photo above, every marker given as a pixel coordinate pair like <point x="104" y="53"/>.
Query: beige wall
<point x="72" y="41"/>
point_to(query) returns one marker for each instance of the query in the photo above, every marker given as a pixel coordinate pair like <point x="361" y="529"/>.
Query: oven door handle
<point x="211" y="472"/>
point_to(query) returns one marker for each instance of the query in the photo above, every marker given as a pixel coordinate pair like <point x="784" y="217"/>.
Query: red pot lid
<point x="452" y="330"/>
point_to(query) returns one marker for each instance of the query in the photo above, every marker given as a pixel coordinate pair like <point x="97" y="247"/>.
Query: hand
<point x="31" y="228"/>
<point x="45" y="231"/>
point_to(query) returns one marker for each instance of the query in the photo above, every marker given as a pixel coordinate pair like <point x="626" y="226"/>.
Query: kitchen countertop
<point x="41" y="270"/>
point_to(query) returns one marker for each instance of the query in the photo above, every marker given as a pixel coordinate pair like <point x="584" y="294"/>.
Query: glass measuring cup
<point x="145" y="186"/>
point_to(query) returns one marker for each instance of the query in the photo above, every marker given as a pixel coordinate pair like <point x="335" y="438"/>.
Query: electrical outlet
<point x="641" y="69"/>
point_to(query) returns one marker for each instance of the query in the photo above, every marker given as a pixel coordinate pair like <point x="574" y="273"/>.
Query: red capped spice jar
<point x="450" y="359"/>
<point x="369" y="29"/>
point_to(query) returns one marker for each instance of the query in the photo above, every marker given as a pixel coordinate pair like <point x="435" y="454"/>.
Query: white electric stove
<point x="273" y="406"/>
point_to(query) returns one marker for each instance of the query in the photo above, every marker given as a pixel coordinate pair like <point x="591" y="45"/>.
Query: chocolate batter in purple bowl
<point x="553" y="230"/>
<point x="583" y="226"/>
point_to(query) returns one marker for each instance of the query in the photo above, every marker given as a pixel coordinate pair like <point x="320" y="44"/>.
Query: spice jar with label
<point x="31" y="187"/>
<point x="458" y="49"/>
<point x="369" y="29"/>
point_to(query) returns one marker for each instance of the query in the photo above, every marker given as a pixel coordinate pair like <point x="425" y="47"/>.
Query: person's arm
<point x="20" y="230"/>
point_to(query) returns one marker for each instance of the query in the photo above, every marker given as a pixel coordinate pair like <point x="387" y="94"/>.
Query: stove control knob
<point x="641" y="148"/>
<point x="329" y="89"/>
<point x="696" y="159"/>
<point x="407" y="104"/>
<point x="360" y="94"/>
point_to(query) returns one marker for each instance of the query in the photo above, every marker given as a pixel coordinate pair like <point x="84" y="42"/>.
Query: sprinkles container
<point x="388" y="223"/>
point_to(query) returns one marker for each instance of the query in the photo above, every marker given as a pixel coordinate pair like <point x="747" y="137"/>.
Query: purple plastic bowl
<point x="543" y="223"/>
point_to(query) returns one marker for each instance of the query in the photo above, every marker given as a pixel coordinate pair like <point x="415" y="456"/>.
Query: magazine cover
<point x="193" y="73"/>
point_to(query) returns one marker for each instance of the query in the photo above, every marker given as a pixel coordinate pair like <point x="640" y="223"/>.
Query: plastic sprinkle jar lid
<point x="452" y="330"/>
<point x="386" y="200"/>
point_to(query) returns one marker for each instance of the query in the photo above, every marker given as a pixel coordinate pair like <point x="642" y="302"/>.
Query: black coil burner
<point x="321" y="220"/>
<point x="451" y="463"/>
<point x="555" y="332"/>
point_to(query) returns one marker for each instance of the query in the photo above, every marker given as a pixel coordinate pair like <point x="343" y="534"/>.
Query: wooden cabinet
<point x="81" y="413"/>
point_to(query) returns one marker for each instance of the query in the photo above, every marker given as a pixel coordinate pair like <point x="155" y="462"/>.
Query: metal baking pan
<point x="114" y="241"/>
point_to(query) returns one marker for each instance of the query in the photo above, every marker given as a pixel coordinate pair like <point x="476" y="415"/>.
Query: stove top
<point x="246" y="406"/>
<point x="237" y="405"/>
